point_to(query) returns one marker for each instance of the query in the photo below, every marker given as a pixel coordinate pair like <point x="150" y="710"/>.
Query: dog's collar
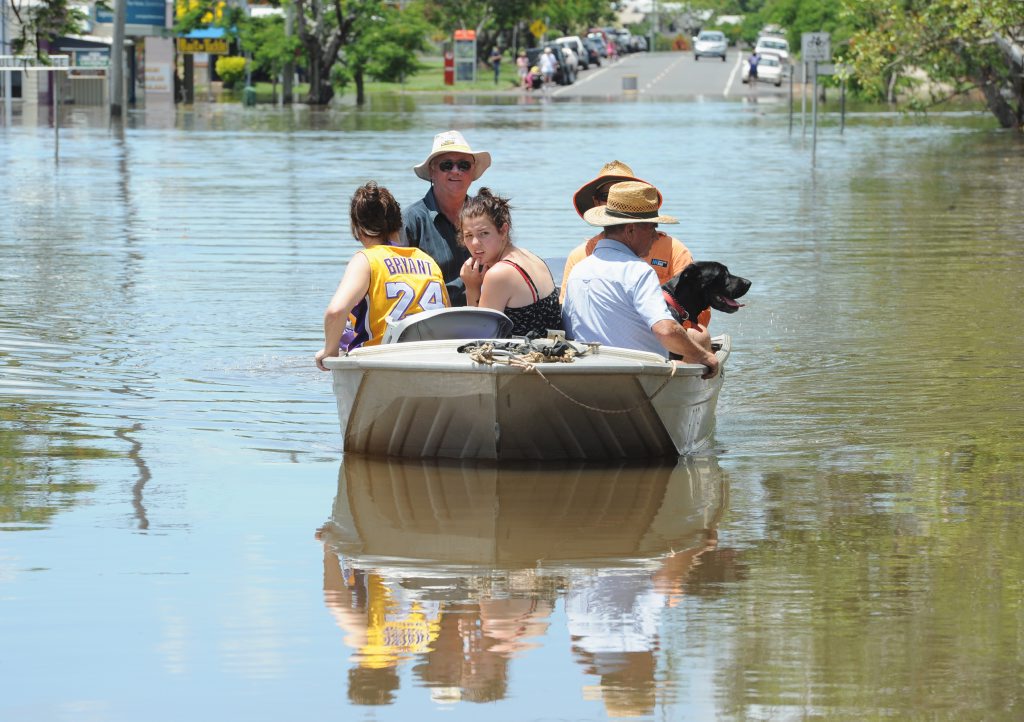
<point x="674" y="305"/>
<point x="683" y="315"/>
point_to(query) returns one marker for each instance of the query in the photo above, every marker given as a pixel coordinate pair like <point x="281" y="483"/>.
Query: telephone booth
<point x="465" y="55"/>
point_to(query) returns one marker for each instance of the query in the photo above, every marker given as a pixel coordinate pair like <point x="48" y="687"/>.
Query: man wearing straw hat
<point x="668" y="256"/>
<point x="432" y="223"/>
<point x="613" y="297"/>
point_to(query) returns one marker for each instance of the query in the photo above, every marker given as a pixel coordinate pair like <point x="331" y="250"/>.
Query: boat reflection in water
<point x="456" y="567"/>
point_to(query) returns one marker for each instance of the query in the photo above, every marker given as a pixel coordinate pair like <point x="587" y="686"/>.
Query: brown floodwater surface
<point x="180" y="537"/>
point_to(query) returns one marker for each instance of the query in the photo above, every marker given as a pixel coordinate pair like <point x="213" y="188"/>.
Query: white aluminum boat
<point x="417" y="395"/>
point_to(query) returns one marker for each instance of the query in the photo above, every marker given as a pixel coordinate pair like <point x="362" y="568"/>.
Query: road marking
<point x="662" y="74"/>
<point x="732" y="75"/>
<point x="590" y="76"/>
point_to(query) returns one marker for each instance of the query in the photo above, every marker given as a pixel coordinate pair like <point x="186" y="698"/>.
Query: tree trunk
<point x="320" y="89"/>
<point x="997" y="104"/>
<point x="357" y="77"/>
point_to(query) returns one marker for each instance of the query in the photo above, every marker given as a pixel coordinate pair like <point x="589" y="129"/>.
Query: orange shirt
<point x="668" y="257"/>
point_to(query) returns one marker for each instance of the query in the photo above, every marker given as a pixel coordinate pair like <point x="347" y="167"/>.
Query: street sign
<point x="816" y="47"/>
<point x="213" y="46"/>
<point x="538" y="28"/>
<point x="31" y="62"/>
<point x="826" y="69"/>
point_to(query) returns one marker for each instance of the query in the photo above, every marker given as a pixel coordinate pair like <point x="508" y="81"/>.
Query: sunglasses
<point x="447" y="165"/>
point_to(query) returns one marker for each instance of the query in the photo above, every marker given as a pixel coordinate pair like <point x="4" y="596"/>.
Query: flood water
<point x="180" y="537"/>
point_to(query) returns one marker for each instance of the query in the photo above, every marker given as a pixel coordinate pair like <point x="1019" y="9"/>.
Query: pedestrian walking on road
<point x="753" y="61"/>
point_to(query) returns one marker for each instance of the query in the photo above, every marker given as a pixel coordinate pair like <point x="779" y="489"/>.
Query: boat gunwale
<point x="624" y="361"/>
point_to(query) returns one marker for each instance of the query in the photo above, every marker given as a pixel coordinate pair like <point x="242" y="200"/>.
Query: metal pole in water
<point x="814" y="114"/>
<point x="56" y="115"/>
<point x="842" y="105"/>
<point x="791" y="100"/>
<point x="803" y="98"/>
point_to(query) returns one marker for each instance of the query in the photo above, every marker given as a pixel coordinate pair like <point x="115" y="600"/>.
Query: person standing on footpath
<point x="522" y="67"/>
<point x="548" y="65"/>
<point x="614" y="297"/>
<point x="495" y="61"/>
<point x="668" y="256"/>
<point x="432" y="223"/>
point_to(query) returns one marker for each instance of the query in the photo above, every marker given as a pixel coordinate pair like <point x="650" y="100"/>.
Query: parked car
<point x="710" y="44"/>
<point x="575" y="43"/>
<point x="773" y="44"/>
<point x="769" y="70"/>
<point x="597" y="42"/>
<point x="563" y="74"/>
<point x="571" y="59"/>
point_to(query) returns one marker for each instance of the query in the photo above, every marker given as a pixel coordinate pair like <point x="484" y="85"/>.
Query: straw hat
<point x="612" y="172"/>
<point x="451" y="141"/>
<point x="629" y="202"/>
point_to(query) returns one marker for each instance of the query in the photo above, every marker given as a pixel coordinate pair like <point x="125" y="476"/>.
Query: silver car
<point x="710" y="43"/>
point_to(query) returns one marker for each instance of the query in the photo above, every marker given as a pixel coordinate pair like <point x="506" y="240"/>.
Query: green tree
<point x="40" y="23"/>
<point x="384" y="47"/>
<point x="324" y="28"/>
<point x="966" y="44"/>
<point x="271" y="49"/>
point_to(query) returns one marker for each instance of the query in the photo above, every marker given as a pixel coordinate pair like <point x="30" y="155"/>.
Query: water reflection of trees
<point x="456" y="570"/>
<point x="39" y="475"/>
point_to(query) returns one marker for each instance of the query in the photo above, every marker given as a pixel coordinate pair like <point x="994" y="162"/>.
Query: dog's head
<point x="707" y="283"/>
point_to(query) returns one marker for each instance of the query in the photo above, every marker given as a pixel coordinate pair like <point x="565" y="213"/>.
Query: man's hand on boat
<point x="692" y="345"/>
<point x="710" y="361"/>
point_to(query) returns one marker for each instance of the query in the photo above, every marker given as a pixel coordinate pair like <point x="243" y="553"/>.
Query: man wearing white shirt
<point x="613" y="296"/>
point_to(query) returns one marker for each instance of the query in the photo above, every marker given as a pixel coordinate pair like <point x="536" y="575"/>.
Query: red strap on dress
<point x="525" y="275"/>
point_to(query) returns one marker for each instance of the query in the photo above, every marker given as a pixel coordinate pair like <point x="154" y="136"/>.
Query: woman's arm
<point x="499" y="285"/>
<point x="354" y="285"/>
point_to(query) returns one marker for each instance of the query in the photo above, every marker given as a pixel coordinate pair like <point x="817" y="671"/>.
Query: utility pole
<point x="288" y="74"/>
<point x="6" y="77"/>
<point x="117" y="61"/>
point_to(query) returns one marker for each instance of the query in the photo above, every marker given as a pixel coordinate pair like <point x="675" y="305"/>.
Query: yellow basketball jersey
<point x="403" y="281"/>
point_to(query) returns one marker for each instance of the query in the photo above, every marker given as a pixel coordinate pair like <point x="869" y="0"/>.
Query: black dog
<point x="700" y="285"/>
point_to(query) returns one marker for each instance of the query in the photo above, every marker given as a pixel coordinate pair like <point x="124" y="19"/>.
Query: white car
<point x="769" y="69"/>
<point x="572" y="61"/>
<point x="710" y="43"/>
<point x="773" y="44"/>
<point x="575" y="43"/>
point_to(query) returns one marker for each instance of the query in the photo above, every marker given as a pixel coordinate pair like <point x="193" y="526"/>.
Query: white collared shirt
<point x="613" y="297"/>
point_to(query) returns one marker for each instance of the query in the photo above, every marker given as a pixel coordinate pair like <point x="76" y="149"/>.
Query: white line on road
<point x="590" y="76"/>
<point x="732" y="75"/>
<point x="662" y="74"/>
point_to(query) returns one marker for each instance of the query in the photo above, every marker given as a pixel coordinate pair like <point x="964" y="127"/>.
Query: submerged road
<point x="670" y="75"/>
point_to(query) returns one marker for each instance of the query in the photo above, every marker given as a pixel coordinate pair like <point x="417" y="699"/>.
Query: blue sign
<point x="138" y="12"/>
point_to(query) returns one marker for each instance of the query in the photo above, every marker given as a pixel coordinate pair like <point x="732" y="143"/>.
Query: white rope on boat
<point x="528" y="361"/>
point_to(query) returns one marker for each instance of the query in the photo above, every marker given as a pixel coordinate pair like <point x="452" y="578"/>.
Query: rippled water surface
<point x="181" y="539"/>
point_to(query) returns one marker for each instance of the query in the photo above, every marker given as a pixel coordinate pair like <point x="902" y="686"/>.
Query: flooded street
<point x="180" y="537"/>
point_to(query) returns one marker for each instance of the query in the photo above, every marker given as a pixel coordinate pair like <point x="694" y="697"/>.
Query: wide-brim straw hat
<point x="629" y="202"/>
<point x="613" y="172"/>
<point x="451" y="141"/>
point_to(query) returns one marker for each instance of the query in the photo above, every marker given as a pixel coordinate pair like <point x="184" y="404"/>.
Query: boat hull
<point x="426" y="400"/>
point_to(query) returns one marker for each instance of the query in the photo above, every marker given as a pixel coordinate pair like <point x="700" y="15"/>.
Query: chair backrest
<point x="446" y="323"/>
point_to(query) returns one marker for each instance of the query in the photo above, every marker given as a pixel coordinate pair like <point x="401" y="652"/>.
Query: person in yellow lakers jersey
<point x="381" y="280"/>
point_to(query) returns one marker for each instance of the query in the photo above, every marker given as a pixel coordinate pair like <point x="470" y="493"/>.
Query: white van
<point x="774" y="45"/>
